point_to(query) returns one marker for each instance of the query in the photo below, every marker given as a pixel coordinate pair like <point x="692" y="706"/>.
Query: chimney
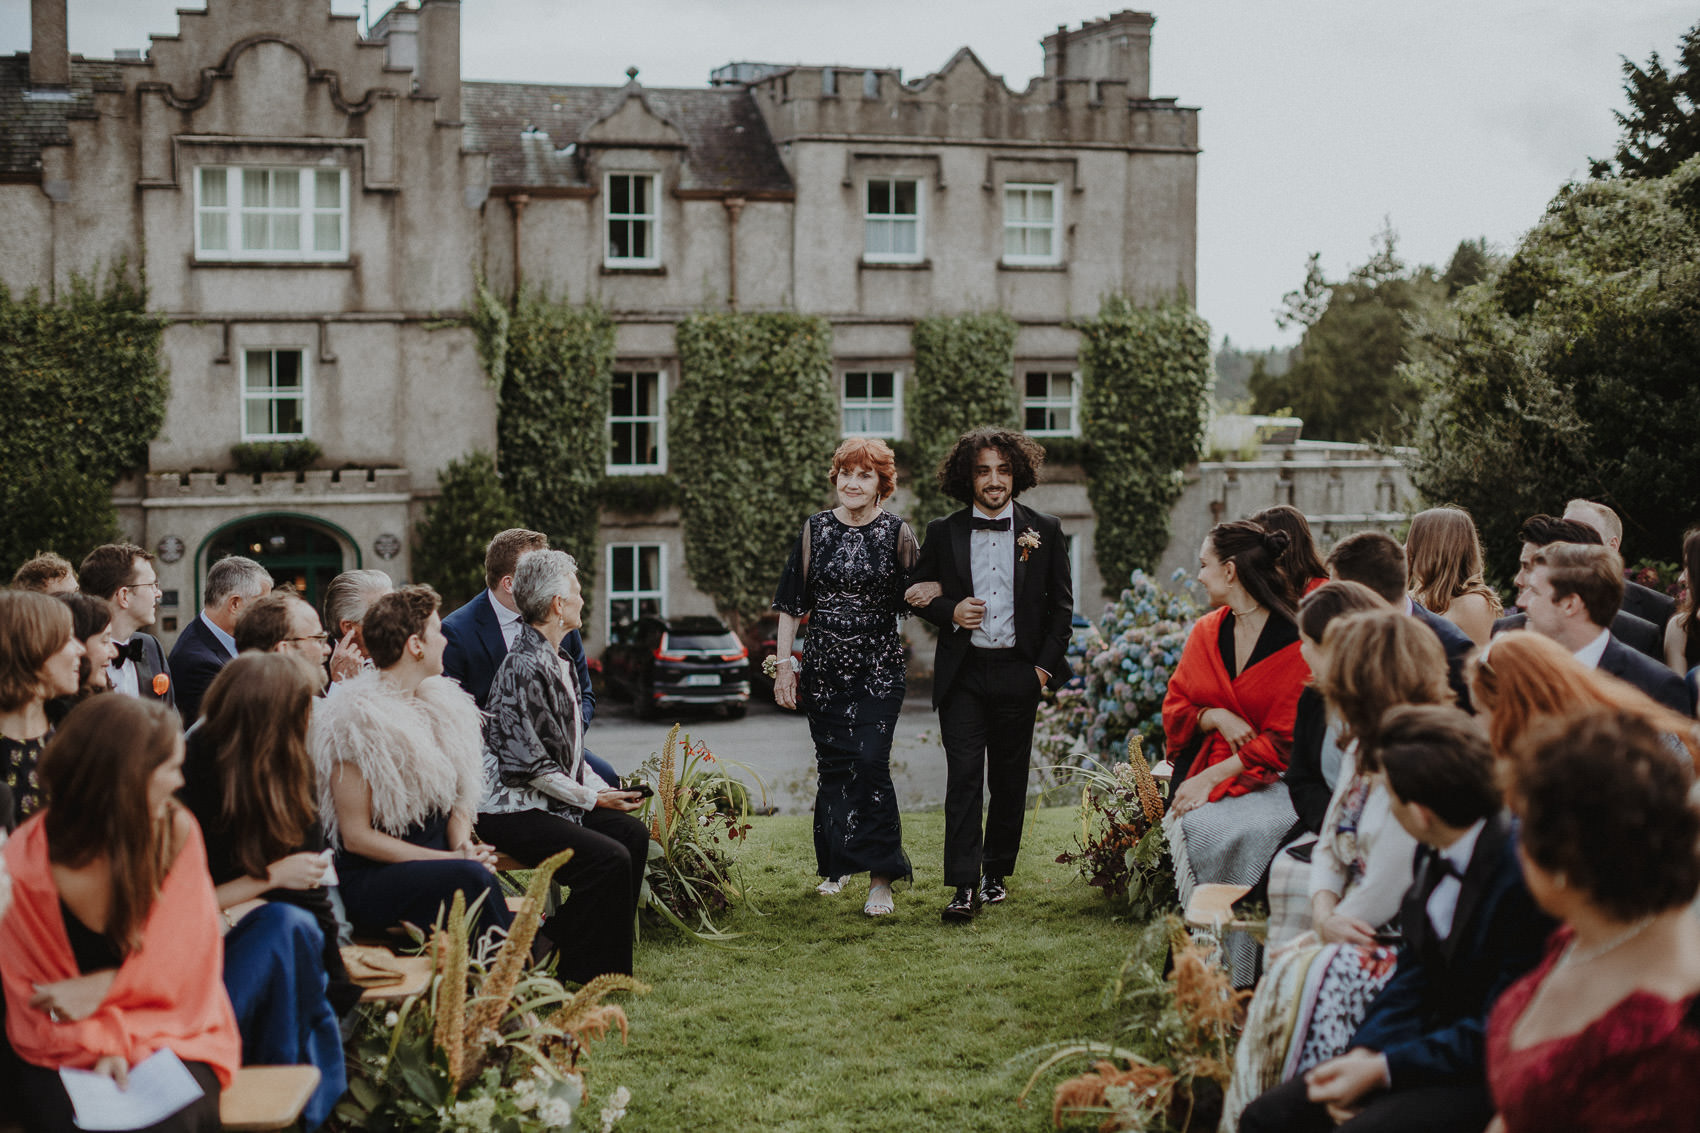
<point x="1117" y="47"/>
<point x="439" y="56"/>
<point x="50" y="52"/>
<point x="398" y="30"/>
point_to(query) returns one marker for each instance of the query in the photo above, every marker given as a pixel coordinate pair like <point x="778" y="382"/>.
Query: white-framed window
<point x="270" y="213"/>
<point x="637" y="413"/>
<point x="892" y="224"/>
<point x="1032" y="224"/>
<point x="1050" y="403"/>
<point x="637" y="583"/>
<point x="872" y="403"/>
<point x="274" y="394"/>
<point x="633" y="221"/>
<point x="1073" y="545"/>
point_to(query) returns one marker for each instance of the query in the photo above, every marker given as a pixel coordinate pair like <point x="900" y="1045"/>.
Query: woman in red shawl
<point x="1228" y="719"/>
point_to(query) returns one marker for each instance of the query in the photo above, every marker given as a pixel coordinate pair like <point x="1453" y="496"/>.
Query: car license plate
<point x="697" y="680"/>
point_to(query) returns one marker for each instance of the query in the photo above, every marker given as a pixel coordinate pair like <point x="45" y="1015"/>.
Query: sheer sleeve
<point x="908" y="555"/>
<point x="794" y="596"/>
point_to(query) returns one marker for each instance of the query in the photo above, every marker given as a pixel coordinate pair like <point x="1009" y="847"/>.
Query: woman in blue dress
<point x="847" y="575"/>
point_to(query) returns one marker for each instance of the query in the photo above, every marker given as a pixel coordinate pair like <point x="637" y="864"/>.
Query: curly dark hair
<point x="956" y="470"/>
<point x="1604" y="801"/>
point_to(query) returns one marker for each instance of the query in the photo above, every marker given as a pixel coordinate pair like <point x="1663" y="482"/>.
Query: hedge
<point x="964" y="378"/>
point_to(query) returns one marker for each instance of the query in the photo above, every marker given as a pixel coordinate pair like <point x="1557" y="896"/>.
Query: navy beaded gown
<point x="849" y="582"/>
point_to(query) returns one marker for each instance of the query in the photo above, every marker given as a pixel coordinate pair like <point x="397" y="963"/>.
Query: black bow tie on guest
<point x="130" y="651"/>
<point x="981" y="524"/>
<point x="1440" y="866"/>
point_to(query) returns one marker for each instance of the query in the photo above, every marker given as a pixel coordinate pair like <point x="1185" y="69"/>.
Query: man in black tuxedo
<point x="1377" y="560"/>
<point x="1470" y="930"/>
<point x="208" y="643"/>
<point x="123" y="574"/>
<point x="1571" y="592"/>
<point x="1642" y="601"/>
<point x="1003" y="601"/>
<point x="1543" y="530"/>
<point x="481" y="632"/>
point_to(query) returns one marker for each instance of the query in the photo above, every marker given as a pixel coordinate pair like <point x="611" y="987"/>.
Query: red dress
<point x="1635" y="1068"/>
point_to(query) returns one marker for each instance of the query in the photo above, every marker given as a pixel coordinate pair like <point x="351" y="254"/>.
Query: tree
<point x="449" y="543"/>
<point x="1662" y="128"/>
<point x="1575" y="371"/>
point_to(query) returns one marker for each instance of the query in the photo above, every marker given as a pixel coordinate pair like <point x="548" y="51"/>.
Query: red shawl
<point x="168" y="993"/>
<point x="1266" y="696"/>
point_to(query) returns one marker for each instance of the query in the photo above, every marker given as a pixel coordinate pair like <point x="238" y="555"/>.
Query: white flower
<point x="475" y="1113"/>
<point x="556" y="1112"/>
<point x="615" y="1109"/>
<point x="392" y="1019"/>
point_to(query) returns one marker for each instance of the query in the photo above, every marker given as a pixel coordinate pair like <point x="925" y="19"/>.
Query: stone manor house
<point x="312" y="207"/>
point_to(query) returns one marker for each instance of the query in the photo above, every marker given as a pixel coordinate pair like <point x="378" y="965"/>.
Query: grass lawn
<point x="824" y="1020"/>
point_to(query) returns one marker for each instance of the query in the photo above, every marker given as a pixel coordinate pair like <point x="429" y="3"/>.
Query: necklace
<point x="1245" y="613"/>
<point x="1573" y="956"/>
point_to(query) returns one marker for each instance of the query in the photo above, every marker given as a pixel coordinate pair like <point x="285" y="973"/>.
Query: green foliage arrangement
<point x="1662" y="128"/>
<point x="1573" y="371"/>
<point x="449" y="542"/>
<point x="1121" y="848"/>
<point x="753" y="426"/>
<point x="496" y="1045"/>
<point x="275" y="456"/>
<point x="638" y="495"/>
<point x="551" y="362"/>
<point x="84" y="393"/>
<point x="964" y="378"/>
<point x="1147" y="376"/>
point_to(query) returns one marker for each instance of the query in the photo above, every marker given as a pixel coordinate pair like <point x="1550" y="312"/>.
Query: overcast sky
<point x="1452" y="119"/>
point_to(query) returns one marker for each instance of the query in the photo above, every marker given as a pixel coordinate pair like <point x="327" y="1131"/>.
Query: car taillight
<point x="661" y="653"/>
<point x="740" y="655"/>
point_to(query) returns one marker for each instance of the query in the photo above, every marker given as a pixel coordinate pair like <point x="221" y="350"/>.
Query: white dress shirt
<point x="506" y="618"/>
<point x="1591" y="653"/>
<point x="122" y="673"/>
<point x="991" y="556"/>
<point x="223" y="638"/>
<point x="1443" y="902"/>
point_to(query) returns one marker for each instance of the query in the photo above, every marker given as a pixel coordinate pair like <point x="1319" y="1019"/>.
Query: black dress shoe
<point x="992" y="890"/>
<point x="963" y="906"/>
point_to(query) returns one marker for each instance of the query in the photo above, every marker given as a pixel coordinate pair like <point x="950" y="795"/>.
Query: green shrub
<point x="638" y="495"/>
<point x="964" y="378"/>
<point x="449" y="543"/>
<point x="275" y="456"/>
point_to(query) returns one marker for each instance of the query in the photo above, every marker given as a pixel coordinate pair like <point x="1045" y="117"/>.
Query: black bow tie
<point x="130" y="651"/>
<point x="981" y="524"/>
<point x="1439" y="865"/>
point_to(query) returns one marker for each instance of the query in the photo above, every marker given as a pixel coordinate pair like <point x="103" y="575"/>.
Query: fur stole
<point x="421" y="753"/>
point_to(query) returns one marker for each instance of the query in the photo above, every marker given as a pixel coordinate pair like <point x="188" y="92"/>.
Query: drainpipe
<point x="734" y="209"/>
<point x="517" y="203"/>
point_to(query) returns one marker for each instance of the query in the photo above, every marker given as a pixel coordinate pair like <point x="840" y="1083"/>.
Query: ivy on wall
<point x="449" y="543"/>
<point x="1147" y="375"/>
<point x="753" y="425"/>
<point x="83" y="394"/>
<point x="964" y="378"/>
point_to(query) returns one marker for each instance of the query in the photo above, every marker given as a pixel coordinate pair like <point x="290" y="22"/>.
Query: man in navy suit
<point x="1378" y="561"/>
<point x="123" y="574"/>
<point x="1539" y="531"/>
<point x="481" y="632"/>
<point x="1469" y="928"/>
<point x="208" y="643"/>
<point x="1642" y="601"/>
<point x="1571" y="592"/>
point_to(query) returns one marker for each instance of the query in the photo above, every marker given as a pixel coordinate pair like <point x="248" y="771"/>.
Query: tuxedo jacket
<point x="151" y="665"/>
<point x="1457" y="644"/>
<point x="1044" y="594"/>
<point x="1651" y="677"/>
<point x="1648" y="604"/>
<point x="195" y="660"/>
<point x="1430" y="1021"/>
<point x="1639" y="634"/>
<point x="476" y="647"/>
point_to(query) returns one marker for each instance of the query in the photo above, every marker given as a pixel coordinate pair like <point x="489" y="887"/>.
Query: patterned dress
<point x="849" y="582"/>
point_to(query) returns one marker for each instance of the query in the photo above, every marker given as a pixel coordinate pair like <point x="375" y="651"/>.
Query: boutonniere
<point x="1028" y="541"/>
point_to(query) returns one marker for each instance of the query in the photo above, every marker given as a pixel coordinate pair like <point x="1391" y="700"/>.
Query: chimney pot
<point x="50" y="52"/>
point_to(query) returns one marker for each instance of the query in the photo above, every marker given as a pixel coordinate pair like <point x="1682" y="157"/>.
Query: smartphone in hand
<point x="641" y="790"/>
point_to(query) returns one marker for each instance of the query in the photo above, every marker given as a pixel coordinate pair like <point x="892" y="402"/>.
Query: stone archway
<point x="296" y="549"/>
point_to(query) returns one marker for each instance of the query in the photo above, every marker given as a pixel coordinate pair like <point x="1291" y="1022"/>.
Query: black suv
<point x="674" y="662"/>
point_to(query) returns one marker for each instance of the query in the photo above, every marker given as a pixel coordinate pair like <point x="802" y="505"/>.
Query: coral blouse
<point x="1632" y="1069"/>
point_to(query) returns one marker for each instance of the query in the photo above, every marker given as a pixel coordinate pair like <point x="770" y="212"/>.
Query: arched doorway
<point x="303" y="552"/>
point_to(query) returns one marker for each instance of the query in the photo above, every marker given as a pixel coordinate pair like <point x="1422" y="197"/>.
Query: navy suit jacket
<point x="476" y="647"/>
<point x="195" y="660"/>
<point x="1457" y="644"/>
<point x="1639" y="634"/>
<point x="1430" y="1021"/>
<point x="1651" y="677"/>
<point x="1648" y="604"/>
<point x="151" y="665"/>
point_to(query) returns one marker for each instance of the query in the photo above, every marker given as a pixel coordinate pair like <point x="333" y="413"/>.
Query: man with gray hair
<point x="208" y="642"/>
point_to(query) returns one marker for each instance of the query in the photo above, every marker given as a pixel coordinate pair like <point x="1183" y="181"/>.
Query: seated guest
<point x="208" y="642"/>
<point x="1543" y="530"/>
<point x="1300" y="564"/>
<point x="283" y="622"/>
<point x="481" y="632"/>
<point x="399" y="756"/>
<point x="1228" y="721"/>
<point x="346" y="601"/>
<point x="1469" y="929"/>
<point x="1682" y="634"/>
<point x="1570" y="593"/>
<point x="1378" y="561"/>
<point x="1642" y="601"/>
<point x="248" y="780"/>
<point x="1444" y="553"/>
<point x="91" y="624"/>
<point x="1314" y="769"/>
<point x="40" y="658"/>
<point x="123" y="574"/>
<point x="47" y="573"/>
<point x="111" y="951"/>
<point x="1605" y="1033"/>
<point x="539" y="796"/>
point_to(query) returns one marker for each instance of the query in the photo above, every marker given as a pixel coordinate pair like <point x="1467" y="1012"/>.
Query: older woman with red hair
<point x="847" y="574"/>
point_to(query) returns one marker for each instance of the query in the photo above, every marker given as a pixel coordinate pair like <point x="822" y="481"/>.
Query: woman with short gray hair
<point x="541" y="797"/>
<point x="347" y="599"/>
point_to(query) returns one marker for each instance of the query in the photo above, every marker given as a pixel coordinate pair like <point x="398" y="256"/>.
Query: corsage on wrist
<point x="771" y="665"/>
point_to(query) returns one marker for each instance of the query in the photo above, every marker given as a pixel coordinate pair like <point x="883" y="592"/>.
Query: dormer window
<point x="271" y="214"/>
<point x="633" y="221"/>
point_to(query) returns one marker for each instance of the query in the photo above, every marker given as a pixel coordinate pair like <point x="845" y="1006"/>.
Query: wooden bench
<point x="267" y="1097"/>
<point x="416" y="975"/>
<point x="1212" y="906"/>
<point x="505" y="866"/>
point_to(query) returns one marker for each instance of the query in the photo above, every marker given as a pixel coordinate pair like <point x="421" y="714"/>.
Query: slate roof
<point x="728" y="148"/>
<point x="28" y="124"/>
